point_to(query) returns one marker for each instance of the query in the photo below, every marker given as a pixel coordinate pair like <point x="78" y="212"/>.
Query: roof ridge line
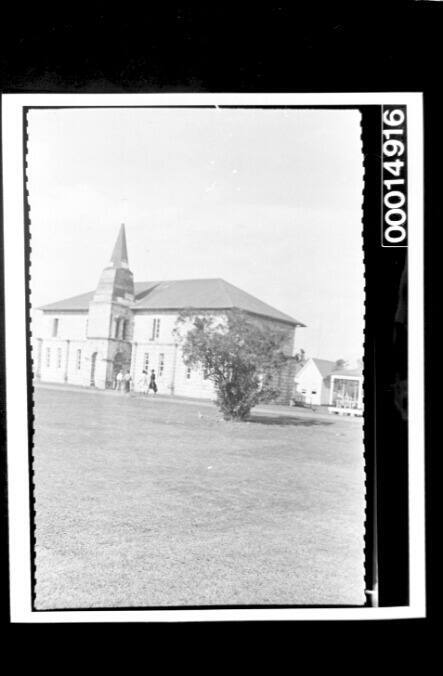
<point x="225" y="291"/>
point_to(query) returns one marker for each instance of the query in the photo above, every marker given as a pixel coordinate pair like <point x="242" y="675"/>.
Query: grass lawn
<point x="145" y="503"/>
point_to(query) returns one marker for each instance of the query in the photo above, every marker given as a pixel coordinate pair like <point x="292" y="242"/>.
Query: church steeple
<point x="119" y="258"/>
<point x="116" y="281"/>
<point x="110" y="320"/>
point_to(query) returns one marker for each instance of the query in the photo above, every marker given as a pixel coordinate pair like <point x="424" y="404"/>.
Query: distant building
<point x="312" y="383"/>
<point x="122" y="325"/>
<point x="319" y="383"/>
<point x="346" y="391"/>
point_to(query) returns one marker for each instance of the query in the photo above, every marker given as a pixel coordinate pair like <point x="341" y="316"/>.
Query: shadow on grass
<point x="287" y="420"/>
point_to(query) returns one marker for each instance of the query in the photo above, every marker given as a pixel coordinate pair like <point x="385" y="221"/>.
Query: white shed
<point x="312" y="382"/>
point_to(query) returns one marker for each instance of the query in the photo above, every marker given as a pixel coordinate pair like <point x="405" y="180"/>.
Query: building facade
<point x="86" y="340"/>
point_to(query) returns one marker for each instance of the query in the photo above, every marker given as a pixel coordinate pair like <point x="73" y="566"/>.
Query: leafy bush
<point x="241" y="355"/>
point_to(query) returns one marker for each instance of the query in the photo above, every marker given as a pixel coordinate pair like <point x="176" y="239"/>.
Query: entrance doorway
<point x="93" y="362"/>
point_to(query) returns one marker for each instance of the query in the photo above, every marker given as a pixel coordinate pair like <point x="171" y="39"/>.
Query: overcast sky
<point x="270" y="200"/>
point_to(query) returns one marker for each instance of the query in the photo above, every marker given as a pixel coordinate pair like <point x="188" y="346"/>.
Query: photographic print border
<point x="386" y="588"/>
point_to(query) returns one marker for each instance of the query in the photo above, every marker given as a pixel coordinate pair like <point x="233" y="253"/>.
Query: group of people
<point x="123" y="381"/>
<point x="147" y="382"/>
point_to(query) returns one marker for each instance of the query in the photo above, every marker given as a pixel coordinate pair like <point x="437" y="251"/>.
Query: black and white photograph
<point x="196" y="341"/>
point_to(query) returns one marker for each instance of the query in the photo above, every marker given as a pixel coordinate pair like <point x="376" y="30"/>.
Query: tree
<point x="341" y="364"/>
<point x="239" y="354"/>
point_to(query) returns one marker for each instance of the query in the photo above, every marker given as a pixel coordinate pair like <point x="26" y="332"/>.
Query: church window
<point x="59" y="357"/>
<point x="155" y="328"/>
<point x="188" y="373"/>
<point x="161" y="364"/>
<point x="54" y="327"/>
<point x="48" y="356"/>
<point x="78" y="360"/>
<point x="146" y="361"/>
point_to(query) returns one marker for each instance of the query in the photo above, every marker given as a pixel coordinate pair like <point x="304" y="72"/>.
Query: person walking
<point x="127" y="381"/>
<point x="119" y="380"/>
<point x="152" y="383"/>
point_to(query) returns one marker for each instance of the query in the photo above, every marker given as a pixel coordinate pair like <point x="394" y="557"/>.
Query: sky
<point x="269" y="200"/>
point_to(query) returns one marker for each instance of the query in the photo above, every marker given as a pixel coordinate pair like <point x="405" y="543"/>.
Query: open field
<point x="155" y="503"/>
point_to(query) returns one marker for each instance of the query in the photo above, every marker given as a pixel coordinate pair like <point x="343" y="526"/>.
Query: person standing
<point x="152" y="383"/>
<point x="118" y="380"/>
<point x="144" y="382"/>
<point x="127" y="381"/>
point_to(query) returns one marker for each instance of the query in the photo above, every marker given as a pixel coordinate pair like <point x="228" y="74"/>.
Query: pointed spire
<point x="119" y="258"/>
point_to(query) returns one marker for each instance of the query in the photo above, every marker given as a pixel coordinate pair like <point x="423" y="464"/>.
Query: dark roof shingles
<point x="204" y="294"/>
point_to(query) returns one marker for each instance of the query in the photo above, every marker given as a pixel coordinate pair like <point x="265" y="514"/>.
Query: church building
<point x="125" y="325"/>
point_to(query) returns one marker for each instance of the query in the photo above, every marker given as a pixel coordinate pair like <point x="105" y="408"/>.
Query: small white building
<point x="319" y="383"/>
<point x="312" y="382"/>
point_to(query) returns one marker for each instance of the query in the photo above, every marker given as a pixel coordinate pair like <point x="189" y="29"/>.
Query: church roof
<point x="200" y="294"/>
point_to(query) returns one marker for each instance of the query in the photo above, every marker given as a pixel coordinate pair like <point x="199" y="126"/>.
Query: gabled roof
<point x="324" y="366"/>
<point x="327" y="368"/>
<point x="199" y="294"/>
